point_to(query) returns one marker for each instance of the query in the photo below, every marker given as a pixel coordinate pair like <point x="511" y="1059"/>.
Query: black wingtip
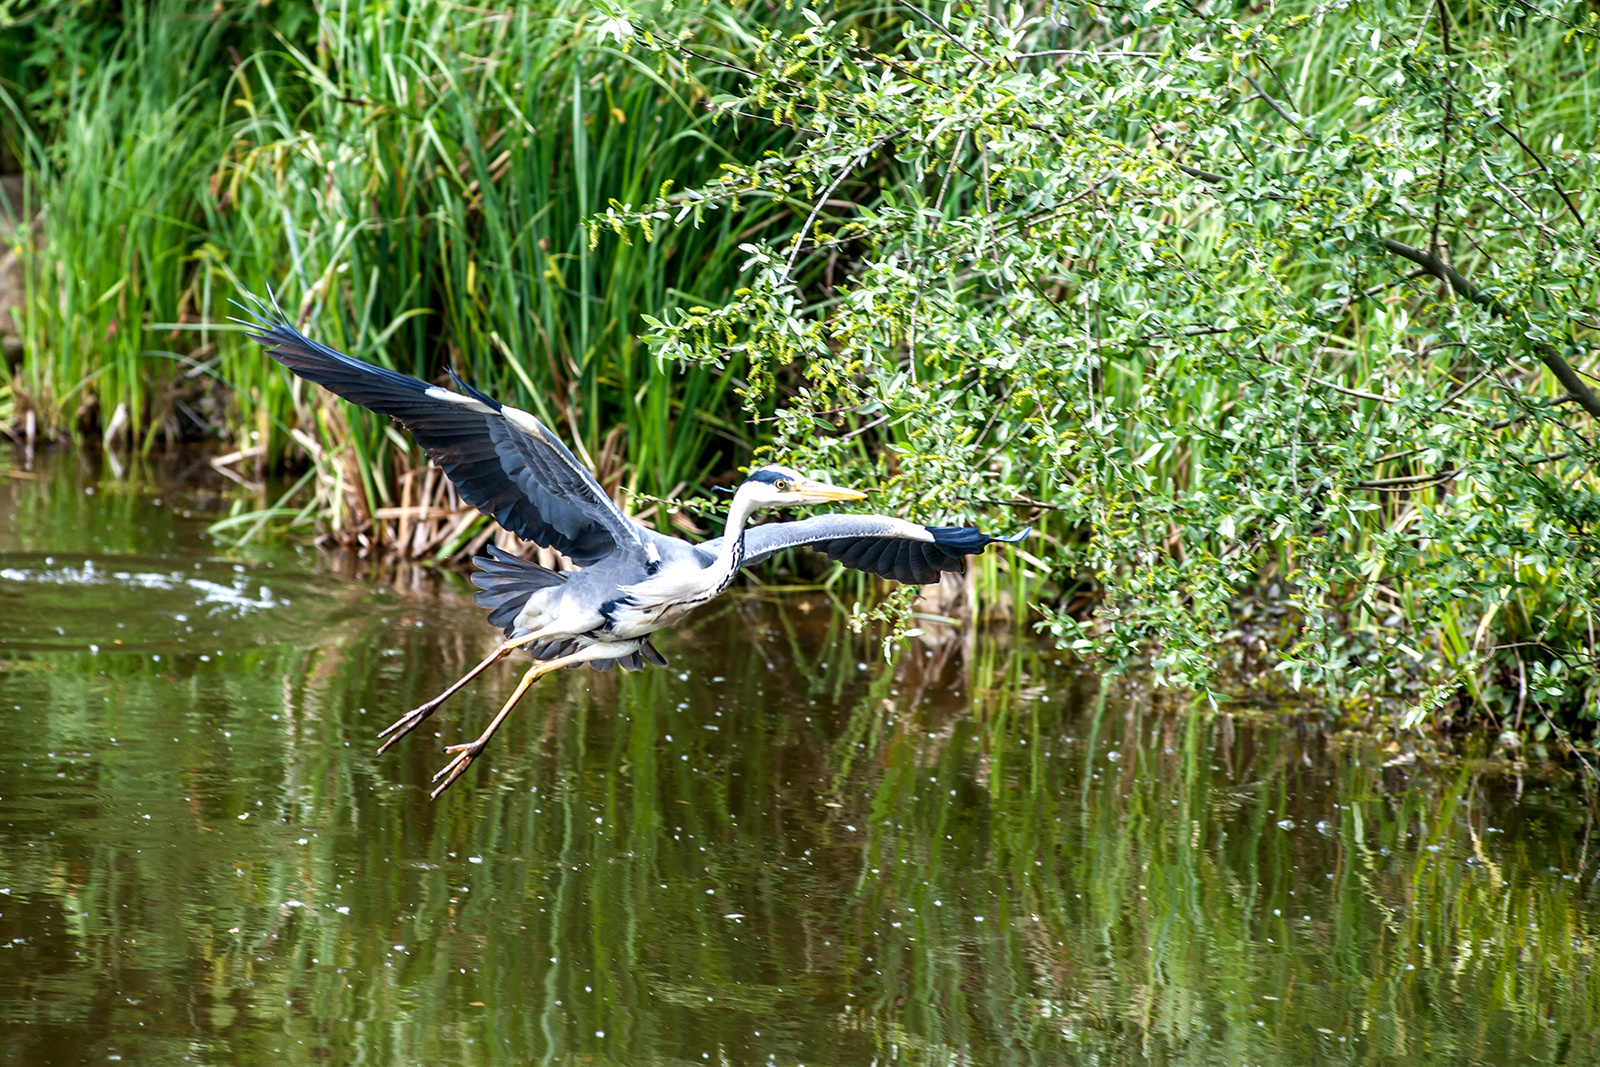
<point x="479" y="396"/>
<point x="963" y="539"/>
<point x="268" y="326"/>
<point x="263" y="314"/>
<point x="356" y="380"/>
<point x="969" y="540"/>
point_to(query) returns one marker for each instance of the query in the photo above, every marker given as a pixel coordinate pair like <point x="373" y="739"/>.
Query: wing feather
<point x="899" y="562"/>
<point x="871" y="550"/>
<point x="503" y="461"/>
<point x="879" y="544"/>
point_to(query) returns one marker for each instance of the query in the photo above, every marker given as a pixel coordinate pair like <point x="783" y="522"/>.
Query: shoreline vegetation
<point x="1278" y="323"/>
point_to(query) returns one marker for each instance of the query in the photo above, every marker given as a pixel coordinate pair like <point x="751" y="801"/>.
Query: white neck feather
<point x="739" y="512"/>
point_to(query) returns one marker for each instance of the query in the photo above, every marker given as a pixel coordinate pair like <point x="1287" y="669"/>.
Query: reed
<point x="412" y="184"/>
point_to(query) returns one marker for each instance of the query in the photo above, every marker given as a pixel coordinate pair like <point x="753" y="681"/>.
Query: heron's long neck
<point x="732" y="553"/>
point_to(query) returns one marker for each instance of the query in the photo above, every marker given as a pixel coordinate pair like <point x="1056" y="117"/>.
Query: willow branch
<point x="1569" y="378"/>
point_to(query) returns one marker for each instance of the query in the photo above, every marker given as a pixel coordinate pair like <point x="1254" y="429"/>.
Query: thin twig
<point x="1399" y="485"/>
<point x="941" y="28"/>
<point x="1453" y="397"/>
<point x="1355" y="392"/>
<point x="949" y="172"/>
<point x="1021" y="502"/>
<point x="1414" y="481"/>
<point x="1203" y="175"/>
<point x="1274" y="105"/>
<point x="1089" y="54"/>
<point x="1444" y="135"/>
<point x="800" y="235"/>
<point x="1336" y="387"/>
<point x="1548" y="173"/>
<point x="1373" y="290"/>
<point x="863" y="429"/>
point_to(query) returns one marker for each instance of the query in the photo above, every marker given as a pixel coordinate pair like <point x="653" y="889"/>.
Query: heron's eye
<point x="782" y="487"/>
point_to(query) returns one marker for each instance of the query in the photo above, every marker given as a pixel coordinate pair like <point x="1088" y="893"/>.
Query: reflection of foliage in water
<point x="975" y="855"/>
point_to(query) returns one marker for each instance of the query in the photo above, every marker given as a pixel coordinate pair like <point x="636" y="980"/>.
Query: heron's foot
<point x="408" y="722"/>
<point x="470" y="751"/>
<point x="415" y="717"/>
<point x="465" y="754"/>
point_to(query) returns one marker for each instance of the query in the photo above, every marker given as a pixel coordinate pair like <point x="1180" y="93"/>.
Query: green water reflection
<point x="779" y="849"/>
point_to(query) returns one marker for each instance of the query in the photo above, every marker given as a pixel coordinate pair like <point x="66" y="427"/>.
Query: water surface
<point x="780" y="849"/>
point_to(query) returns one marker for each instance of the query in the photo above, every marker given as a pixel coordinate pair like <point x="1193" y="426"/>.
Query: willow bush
<point x="1273" y="321"/>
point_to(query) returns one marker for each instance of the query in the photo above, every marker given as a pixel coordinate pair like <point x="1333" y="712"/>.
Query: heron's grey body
<point x="631" y="580"/>
<point x="615" y="604"/>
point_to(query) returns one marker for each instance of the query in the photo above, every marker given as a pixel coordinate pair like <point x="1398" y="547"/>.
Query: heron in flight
<point x="631" y="581"/>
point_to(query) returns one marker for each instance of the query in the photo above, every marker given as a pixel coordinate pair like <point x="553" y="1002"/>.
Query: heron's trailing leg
<point x="417" y="715"/>
<point x="470" y="751"/>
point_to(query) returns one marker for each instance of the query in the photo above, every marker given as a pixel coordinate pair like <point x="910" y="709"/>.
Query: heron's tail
<point x="507" y="582"/>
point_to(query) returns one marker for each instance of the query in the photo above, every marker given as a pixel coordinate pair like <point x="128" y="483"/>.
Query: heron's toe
<point x="453" y="769"/>
<point x="406" y="723"/>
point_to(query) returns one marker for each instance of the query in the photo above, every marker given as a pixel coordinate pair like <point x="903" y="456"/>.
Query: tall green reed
<point x="411" y="184"/>
<point x="116" y="236"/>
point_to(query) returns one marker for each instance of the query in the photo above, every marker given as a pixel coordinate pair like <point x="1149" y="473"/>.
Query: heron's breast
<point x="640" y="620"/>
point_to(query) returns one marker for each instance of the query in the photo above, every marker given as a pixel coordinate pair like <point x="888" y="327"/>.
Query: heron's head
<point x="776" y="487"/>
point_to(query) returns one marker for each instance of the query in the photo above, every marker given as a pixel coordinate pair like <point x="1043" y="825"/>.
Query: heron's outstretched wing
<point x="878" y="544"/>
<point x="503" y="461"/>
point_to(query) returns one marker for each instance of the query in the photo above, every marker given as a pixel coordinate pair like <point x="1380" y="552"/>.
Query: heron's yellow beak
<point x="820" y="492"/>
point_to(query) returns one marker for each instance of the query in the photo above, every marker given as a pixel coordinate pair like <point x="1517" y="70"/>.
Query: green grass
<point x="117" y="232"/>
<point x="412" y="183"/>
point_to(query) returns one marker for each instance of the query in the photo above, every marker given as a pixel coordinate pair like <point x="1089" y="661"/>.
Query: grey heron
<point x="631" y="580"/>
